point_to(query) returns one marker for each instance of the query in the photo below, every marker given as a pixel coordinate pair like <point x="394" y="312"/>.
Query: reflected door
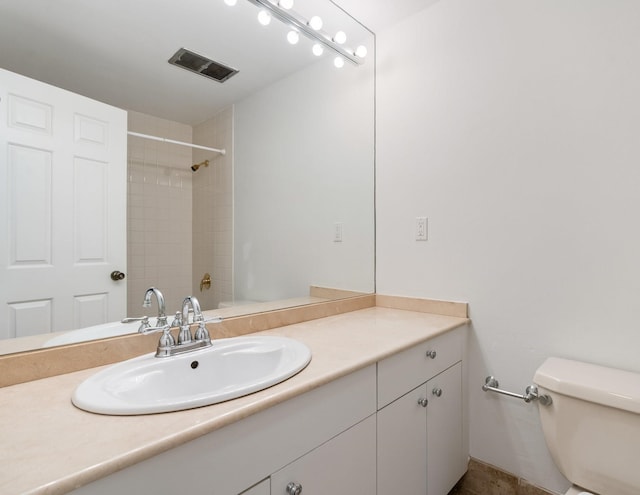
<point x="62" y="209"/>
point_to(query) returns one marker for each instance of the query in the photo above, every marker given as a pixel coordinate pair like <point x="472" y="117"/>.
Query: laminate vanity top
<point x="47" y="446"/>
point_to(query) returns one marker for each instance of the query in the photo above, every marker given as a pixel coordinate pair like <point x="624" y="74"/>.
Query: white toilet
<point x="592" y="427"/>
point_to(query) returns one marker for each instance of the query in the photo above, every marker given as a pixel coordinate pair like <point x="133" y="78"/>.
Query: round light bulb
<point x="315" y="23"/>
<point x="361" y="51"/>
<point x="264" y="17"/>
<point x="317" y="49"/>
<point x="293" y="37"/>
<point x="340" y="37"/>
<point x="231" y="3"/>
<point x="286" y="4"/>
<point x="338" y="62"/>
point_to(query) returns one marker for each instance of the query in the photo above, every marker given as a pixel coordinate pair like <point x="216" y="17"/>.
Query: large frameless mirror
<point x="286" y="216"/>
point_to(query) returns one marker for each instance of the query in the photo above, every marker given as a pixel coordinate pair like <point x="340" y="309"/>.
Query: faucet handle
<point x="202" y="334"/>
<point x="150" y="329"/>
<point x="166" y="341"/>
<point x="130" y="319"/>
<point x="177" y="320"/>
<point x="144" y="323"/>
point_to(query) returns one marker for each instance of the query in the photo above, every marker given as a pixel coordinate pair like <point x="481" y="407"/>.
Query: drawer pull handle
<point x="431" y="354"/>
<point x="294" y="488"/>
<point x="423" y="402"/>
<point x="437" y="392"/>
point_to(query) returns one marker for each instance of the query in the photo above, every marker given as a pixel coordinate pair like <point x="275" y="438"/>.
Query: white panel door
<point x="62" y="208"/>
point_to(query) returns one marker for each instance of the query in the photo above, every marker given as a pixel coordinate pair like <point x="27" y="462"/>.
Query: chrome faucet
<point x="162" y="317"/>
<point x="186" y="342"/>
<point x="167" y="345"/>
<point x="184" y="337"/>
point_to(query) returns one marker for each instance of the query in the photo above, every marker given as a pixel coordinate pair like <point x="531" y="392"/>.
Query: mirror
<point x="288" y="208"/>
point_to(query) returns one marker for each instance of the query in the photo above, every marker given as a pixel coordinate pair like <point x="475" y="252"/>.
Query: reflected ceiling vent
<point x="202" y="65"/>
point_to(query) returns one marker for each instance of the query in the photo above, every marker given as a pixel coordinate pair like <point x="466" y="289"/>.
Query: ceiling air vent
<point x="202" y="65"/>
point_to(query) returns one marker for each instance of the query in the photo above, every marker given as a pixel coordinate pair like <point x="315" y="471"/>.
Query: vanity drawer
<point x="406" y="370"/>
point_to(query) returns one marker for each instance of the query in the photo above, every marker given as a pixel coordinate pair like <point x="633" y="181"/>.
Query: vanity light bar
<point x="303" y="27"/>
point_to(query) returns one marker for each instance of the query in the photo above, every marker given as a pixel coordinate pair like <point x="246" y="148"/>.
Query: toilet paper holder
<point x="530" y="394"/>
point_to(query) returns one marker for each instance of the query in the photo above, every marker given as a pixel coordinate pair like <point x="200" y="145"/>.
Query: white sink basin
<point x="230" y="368"/>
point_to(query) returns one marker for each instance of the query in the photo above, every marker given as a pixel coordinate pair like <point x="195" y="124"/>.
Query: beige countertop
<point x="47" y="446"/>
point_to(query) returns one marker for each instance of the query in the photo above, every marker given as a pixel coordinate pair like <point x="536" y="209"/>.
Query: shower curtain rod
<point x="172" y="141"/>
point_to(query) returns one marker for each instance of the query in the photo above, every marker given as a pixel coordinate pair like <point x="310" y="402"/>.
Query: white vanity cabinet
<point x="421" y="446"/>
<point x="238" y="457"/>
<point x="363" y="433"/>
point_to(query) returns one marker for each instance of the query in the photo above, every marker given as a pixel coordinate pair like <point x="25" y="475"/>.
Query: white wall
<point x="514" y="126"/>
<point x="316" y="129"/>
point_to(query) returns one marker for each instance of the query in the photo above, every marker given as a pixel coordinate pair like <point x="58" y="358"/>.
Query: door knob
<point x="116" y="275"/>
<point x="294" y="488"/>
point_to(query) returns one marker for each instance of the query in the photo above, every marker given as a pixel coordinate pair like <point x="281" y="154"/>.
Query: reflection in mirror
<point x="280" y="219"/>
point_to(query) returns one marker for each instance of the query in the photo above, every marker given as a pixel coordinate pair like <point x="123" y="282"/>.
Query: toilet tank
<point x="592" y="428"/>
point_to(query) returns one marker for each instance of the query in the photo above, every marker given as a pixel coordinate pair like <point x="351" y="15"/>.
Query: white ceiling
<point x="378" y="14"/>
<point x="116" y="51"/>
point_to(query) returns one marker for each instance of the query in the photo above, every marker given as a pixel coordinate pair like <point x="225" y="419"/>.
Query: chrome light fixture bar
<point x="303" y="27"/>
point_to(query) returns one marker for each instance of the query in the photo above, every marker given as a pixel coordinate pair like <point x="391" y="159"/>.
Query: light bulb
<point x="338" y="62"/>
<point x="315" y="23"/>
<point x="264" y="17"/>
<point x="361" y="51"/>
<point x="286" y="4"/>
<point x="293" y="37"/>
<point x="340" y="37"/>
<point x="317" y="49"/>
<point x="231" y="3"/>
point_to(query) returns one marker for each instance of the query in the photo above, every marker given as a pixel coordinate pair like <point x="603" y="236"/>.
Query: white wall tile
<point x="157" y="200"/>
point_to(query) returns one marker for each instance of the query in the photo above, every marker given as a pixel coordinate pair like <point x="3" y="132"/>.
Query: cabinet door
<point x="446" y="459"/>
<point x="262" y="488"/>
<point x="402" y="445"/>
<point x="345" y="465"/>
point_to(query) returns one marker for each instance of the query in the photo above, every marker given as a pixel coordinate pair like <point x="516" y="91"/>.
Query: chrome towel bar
<point x="530" y="394"/>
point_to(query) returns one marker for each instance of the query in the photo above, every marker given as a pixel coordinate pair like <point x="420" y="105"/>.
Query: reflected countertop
<point x="33" y="342"/>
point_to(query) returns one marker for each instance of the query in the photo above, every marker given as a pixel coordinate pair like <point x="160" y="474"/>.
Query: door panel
<point x="62" y="207"/>
<point x="402" y="445"/>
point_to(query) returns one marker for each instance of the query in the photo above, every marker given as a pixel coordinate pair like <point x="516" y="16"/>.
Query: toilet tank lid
<point x="591" y="382"/>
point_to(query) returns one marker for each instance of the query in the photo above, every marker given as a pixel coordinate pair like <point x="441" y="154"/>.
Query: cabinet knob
<point x="294" y="488"/>
<point x="437" y="392"/>
<point x="431" y="354"/>
<point x="423" y="402"/>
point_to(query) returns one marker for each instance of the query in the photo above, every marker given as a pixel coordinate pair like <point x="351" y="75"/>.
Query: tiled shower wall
<point x="159" y="223"/>
<point x="213" y="210"/>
